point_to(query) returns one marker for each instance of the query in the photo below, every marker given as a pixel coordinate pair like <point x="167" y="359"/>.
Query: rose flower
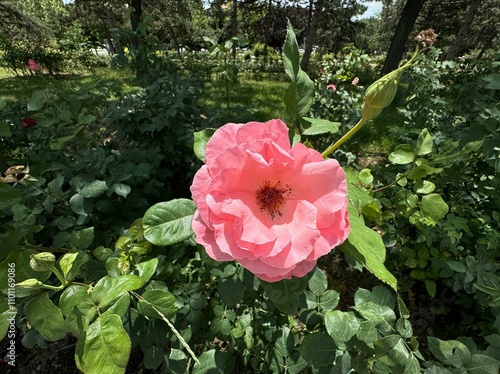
<point x="273" y="208"/>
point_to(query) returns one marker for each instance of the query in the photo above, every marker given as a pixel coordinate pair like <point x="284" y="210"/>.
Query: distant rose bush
<point x="27" y="122"/>
<point x="33" y="65"/>
<point x="273" y="208"/>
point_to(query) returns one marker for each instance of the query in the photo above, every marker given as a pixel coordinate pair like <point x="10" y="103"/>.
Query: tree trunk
<point x="313" y="19"/>
<point x="406" y="22"/>
<point x="135" y="19"/>
<point x="234" y="25"/>
<point x="464" y="29"/>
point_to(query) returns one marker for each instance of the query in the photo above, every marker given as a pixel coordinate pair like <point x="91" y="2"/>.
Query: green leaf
<point x="9" y="196"/>
<point x="66" y="262"/>
<point x="59" y="143"/>
<point x="430" y="286"/>
<point x="318" y="283"/>
<point x="5" y="130"/>
<point x="392" y="351"/>
<point x="82" y="239"/>
<point x="383" y="316"/>
<point x="104" y="348"/>
<point x="493" y="81"/>
<point x="482" y="364"/>
<point x="108" y="289"/>
<point x="8" y="313"/>
<point x="45" y="317"/>
<point x="424" y="187"/>
<point x="403" y="154"/>
<point x="169" y="222"/>
<point x="329" y="300"/>
<point x="231" y="291"/>
<point x="85" y="118"/>
<point x="341" y="326"/>
<point x="78" y="307"/>
<point x="38" y="99"/>
<point x="424" y="143"/>
<point x="285" y="293"/>
<point x="121" y="189"/>
<point x="379" y="295"/>
<point x="146" y="269"/>
<point x="434" y="206"/>
<point x="93" y="189"/>
<point x="451" y="352"/>
<point x="213" y="362"/>
<point x="318" y="126"/>
<point x="299" y="95"/>
<point x="318" y="349"/>
<point x="162" y="300"/>
<point x="366" y="246"/>
<point x="201" y="139"/>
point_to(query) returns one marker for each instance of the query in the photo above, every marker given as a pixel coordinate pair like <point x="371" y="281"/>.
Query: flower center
<point x="271" y="197"/>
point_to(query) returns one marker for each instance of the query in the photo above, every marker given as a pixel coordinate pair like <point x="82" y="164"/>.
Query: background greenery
<point x="100" y="178"/>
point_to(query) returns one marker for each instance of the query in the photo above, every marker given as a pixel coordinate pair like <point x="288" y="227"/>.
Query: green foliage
<point x="94" y="216"/>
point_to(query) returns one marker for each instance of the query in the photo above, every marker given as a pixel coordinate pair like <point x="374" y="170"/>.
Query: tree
<point x="405" y="25"/>
<point x="464" y="29"/>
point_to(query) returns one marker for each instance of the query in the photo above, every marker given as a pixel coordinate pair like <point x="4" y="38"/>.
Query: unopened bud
<point x="43" y="261"/>
<point x="426" y="38"/>
<point x="380" y="94"/>
<point x="31" y="283"/>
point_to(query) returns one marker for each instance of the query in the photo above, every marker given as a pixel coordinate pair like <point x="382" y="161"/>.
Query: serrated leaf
<point x="383" y="316"/>
<point x="318" y="349"/>
<point x="285" y="293"/>
<point x="367" y="247"/>
<point x="104" y="348"/>
<point x="341" y="326"/>
<point x="169" y="222"/>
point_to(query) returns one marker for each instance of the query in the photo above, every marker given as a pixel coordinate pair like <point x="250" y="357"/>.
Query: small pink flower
<point x="332" y="87"/>
<point x="273" y="208"/>
<point x="355" y="81"/>
<point x="27" y="122"/>
<point x="33" y="65"/>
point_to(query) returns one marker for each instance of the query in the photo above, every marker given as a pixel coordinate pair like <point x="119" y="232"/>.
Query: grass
<point x="249" y="99"/>
<point x="14" y="87"/>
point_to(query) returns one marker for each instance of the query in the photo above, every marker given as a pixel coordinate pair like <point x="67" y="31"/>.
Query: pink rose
<point x="273" y="208"/>
<point x="33" y="65"/>
<point x="332" y="87"/>
<point x="355" y="81"/>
